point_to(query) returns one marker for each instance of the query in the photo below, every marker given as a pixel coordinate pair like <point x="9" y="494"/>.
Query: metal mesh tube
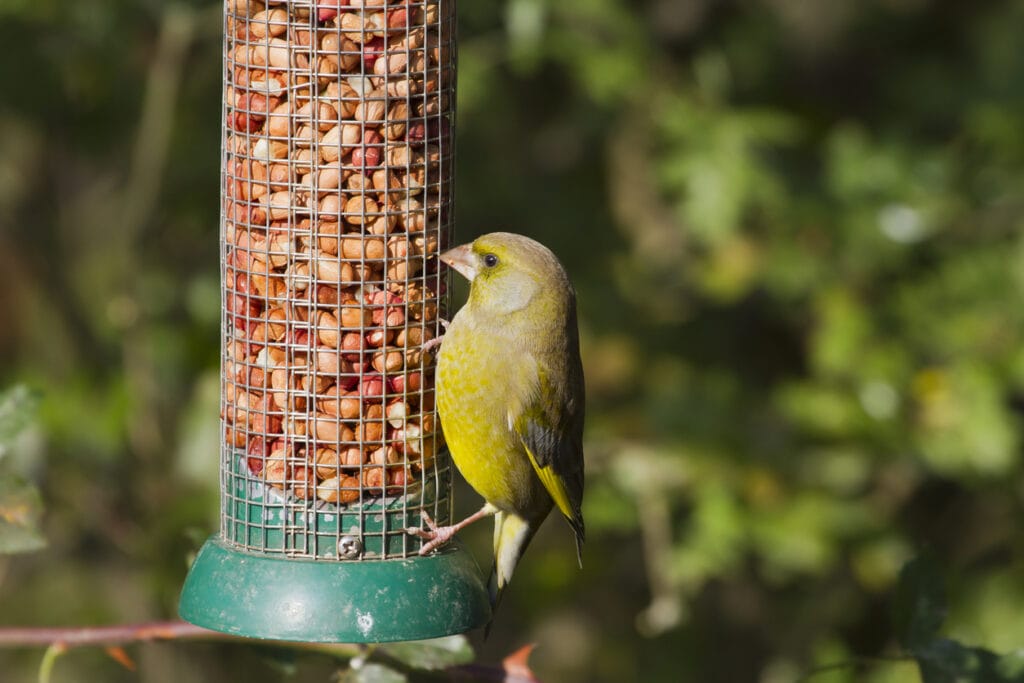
<point x="336" y="197"/>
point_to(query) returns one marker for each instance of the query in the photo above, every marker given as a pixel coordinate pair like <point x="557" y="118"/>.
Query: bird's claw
<point x="432" y="344"/>
<point x="435" y="535"/>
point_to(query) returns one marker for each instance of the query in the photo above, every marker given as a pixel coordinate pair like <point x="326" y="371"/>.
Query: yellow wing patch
<point x="553" y="483"/>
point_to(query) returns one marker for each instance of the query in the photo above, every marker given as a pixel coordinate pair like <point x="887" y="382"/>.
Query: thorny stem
<point x="105" y="635"/>
<point x="59" y="640"/>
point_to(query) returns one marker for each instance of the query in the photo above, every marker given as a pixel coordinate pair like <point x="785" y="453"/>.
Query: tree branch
<point x="105" y="636"/>
<point x="61" y="639"/>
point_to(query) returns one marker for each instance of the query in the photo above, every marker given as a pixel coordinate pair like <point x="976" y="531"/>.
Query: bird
<point x="510" y="396"/>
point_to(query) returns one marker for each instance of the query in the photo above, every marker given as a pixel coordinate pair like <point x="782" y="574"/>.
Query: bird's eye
<point x="490" y="260"/>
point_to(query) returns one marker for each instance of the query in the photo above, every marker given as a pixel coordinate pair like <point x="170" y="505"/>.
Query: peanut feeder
<point x="336" y="197"/>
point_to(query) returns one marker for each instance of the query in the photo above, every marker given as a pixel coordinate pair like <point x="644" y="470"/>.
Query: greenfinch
<point x="510" y="395"/>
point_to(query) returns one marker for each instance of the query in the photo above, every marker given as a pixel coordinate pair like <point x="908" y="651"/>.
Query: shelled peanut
<point x="336" y="197"/>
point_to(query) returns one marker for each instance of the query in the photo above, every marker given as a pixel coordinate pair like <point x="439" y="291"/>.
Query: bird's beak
<point x="461" y="259"/>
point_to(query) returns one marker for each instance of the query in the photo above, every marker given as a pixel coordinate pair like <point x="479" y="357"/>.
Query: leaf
<point x="920" y="606"/>
<point x="17" y="408"/>
<point x="947" y="661"/>
<point x="437" y="653"/>
<point x="20" y="510"/>
<point x="919" y="612"/>
<point x="1011" y="665"/>
<point x="372" y="673"/>
<point x="283" y="659"/>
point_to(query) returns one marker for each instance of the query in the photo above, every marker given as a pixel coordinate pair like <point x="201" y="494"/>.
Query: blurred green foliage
<point x="795" y="230"/>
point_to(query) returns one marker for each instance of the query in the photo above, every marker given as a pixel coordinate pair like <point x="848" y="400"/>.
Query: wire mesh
<point x="337" y="195"/>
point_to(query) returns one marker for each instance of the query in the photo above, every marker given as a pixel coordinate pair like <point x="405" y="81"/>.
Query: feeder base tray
<point x="365" y="601"/>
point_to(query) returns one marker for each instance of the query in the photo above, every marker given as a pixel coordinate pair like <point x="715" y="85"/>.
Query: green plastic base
<point x="367" y="601"/>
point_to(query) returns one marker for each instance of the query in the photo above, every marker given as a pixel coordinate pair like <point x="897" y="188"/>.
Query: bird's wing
<point x="549" y="423"/>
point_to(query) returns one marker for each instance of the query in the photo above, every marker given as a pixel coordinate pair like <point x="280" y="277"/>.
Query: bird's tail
<point x="511" y="536"/>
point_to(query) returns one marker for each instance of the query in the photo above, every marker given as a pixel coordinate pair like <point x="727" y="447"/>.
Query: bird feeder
<point x="336" y="199"/>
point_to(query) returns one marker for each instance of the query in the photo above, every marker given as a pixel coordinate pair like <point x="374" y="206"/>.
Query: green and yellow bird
<point x="510" y="395"/>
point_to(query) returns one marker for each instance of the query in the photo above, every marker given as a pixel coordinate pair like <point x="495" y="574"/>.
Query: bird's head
<point x="507" y="271"/>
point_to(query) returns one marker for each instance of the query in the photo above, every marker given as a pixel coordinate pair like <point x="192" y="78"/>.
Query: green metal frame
<point x="245" y="582"/>
<point x="258" y="518"/>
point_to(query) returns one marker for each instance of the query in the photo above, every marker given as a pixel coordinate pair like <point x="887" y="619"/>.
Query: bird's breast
<point x="476" y="385"/>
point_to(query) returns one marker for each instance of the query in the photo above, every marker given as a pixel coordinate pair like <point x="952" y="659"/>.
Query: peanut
<point x="335" y="197"/>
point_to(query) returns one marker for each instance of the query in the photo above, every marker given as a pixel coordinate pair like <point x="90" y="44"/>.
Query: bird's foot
<point x="439" y="535"/>
<point x="435" y="535"/>
<point x="431" y="344"/>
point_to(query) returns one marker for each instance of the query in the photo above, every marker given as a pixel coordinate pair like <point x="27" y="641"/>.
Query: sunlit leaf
<point x="988" y="609"/>
<point x="20" y="512"/>
<point x="1011" y="665"/>
<point x="436" y="653"/>
<point x="17" y="408"/>
<point x="372" y="673"/>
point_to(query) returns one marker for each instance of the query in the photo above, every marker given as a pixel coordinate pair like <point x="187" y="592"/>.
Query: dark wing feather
<point x="551" y="429"/>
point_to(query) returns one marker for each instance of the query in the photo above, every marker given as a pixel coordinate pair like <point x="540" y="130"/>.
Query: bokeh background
<point x="795" y="231"/>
